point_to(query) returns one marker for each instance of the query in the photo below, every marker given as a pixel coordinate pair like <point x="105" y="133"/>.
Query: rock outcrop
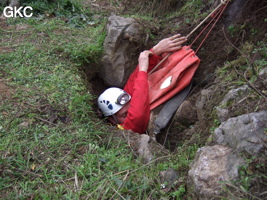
<point x="124" y="40"/>
<point x="244" y="133"/>
<point x="221" y="162"/>
<point x="212" y="166"/>
<point x="142" y="145"/>
<point x="234" y="95"/>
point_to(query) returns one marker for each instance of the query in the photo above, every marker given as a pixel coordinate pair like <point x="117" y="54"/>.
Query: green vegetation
<point x="216" y="124"/>
<point x="52" y="144"/>
<point x="241" y="188"/>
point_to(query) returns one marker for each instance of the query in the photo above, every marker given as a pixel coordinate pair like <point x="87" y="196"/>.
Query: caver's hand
<point x="143" y="60"/>
<point x="170" y="44"/>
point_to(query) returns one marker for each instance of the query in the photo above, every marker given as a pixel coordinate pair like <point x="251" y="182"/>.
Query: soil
<point x="5" y="90"/>
<point x="215" y="52"/>
<point x="221" y="46"/>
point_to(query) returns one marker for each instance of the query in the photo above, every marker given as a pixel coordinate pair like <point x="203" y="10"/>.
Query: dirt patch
<point x="215" y="52"/>
<point x="6" y="49"/>
<point x="5" y="90"/>
<point x="221" y="46"/>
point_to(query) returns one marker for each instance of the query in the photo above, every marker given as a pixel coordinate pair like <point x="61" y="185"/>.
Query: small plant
<point x="178" y="194"/>
<point x="244" y="179"/>
<point x="216" y="124"/>
<point x="254" y="31"/>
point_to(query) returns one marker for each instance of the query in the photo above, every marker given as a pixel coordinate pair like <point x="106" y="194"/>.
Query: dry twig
<point x="251" y="65"/>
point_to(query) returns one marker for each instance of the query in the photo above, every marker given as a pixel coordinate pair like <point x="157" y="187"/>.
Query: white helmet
<point x="112" y="100"/>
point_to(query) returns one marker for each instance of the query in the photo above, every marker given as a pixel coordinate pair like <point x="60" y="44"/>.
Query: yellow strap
<point x="120" y="127"/>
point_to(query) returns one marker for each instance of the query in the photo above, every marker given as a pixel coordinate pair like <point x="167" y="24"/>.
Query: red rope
<point x="213" y="18"/>
<point x="217" y="14"/>
<point x="220" y="13"/>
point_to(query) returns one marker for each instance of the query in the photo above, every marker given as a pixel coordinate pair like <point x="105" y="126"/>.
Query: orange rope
<point x="213" y="18"/>
<point x="217" y="12"/>
<point x="211" y="27"/>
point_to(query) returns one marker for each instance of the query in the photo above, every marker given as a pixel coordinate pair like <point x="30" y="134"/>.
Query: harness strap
<point x="169" y="109"/>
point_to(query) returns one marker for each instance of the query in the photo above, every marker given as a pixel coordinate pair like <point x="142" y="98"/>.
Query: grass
<point x="53" y="146"/>
<point x="52" y="143"/>
<point x="247" y="67"/>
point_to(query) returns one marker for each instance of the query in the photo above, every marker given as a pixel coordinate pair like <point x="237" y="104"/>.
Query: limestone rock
<point x="234" y="12"/>
<point x="212" y="165"/>
<point x="186" y="113"/>
<point x="142" y="145"/>
<point x="203" y="98"/>
<point x="121" y="49"/>
<point x="168" y="178"/>
<point x="244" y="133"/>
<point x="233" y="95"/>
<point x="263" y="76"/>
<point x="263" y="73"/>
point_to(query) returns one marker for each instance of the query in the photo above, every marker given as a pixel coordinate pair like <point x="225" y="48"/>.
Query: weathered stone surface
<point x="203" y="98"/>
<point x="234" y="12"/>
<point x="121" y="49"/>
<point x="233" y="95"/>
<point x="168" y="178"/>
<point x="186" y="113"/>
<point x="263" y="76"/>
<point x="244" y="133"/>
<point x="212" y="165"/>
<point x="142" y="145"/>
<point x="263" y="73"/>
